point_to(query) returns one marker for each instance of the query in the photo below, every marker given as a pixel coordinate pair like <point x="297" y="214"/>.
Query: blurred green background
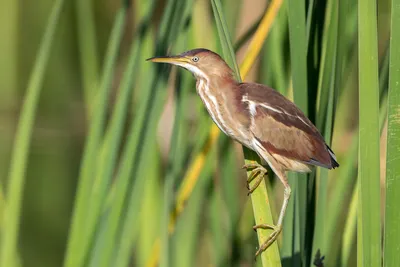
<point x="128" y="143"/>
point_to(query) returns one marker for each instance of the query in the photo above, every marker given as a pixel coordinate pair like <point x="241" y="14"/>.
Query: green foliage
<point x="90" y="199"/>
<point x="113" y="162"/>
<point x="19" y="158"/>
<point x="369" y="225"/>
<point x="299" y="182"/>
<point x="392" y="232"/>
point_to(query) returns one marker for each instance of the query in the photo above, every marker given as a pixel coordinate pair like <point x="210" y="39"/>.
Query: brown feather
<point x="283" y="129"/>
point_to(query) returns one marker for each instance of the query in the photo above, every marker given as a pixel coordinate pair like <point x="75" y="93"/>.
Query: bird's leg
<point x="258" y="171"/>
<point x="276" y="228"/>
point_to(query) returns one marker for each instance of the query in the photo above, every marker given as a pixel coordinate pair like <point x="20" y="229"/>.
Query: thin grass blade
<point x="369" y="238"/>
<point x="174" y="163"/>
<point x="225" y="38"/>
<point x="16" y="178"/>
<point x="174" y="158"/>
<point x="298" y="56"/>
<point x="350" y="232"/>
<point x="273" y="59"/>
<point x="87" y="43"/>
<point x="111" y="145"/>
<point x="82" y="229"/>
<point x="230" y="192"/>
<point x="325" y="118"/>
<point x="259" y="37"/>
<point x="392" y="216"/>
<point x="232" y="11"/>
<point x="9" y="77"/>
<point x="188" y="228"/>
<point x="143" y="131"/>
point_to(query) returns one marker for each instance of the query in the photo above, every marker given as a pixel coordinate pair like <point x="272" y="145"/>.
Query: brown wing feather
<point x="283" y="129"/>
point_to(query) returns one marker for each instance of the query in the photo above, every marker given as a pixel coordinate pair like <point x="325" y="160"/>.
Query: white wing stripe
<point x="271" y="108"/>
<point x="253" y="105"/>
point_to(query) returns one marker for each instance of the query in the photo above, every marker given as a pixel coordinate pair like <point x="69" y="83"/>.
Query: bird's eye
<point x="195" y="59"/>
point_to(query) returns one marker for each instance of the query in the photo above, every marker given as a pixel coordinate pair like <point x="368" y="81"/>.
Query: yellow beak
<point x="175" y="60"/>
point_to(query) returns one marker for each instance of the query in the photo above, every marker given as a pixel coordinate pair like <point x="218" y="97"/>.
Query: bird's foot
<point x="257" y="172"/>
<point x="271" y="238"/>
<point x="251" y="165"/>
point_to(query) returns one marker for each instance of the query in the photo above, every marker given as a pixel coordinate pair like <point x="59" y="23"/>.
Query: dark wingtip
<point x="334" y="162"/>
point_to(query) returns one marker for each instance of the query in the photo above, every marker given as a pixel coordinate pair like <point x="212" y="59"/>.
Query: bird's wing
<point x="283" y="129"/>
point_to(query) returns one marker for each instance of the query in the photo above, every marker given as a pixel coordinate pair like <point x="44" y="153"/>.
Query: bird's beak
<point x="175" y="60"/>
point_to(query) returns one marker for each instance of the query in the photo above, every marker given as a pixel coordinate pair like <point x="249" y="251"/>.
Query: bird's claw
<point x="271" y="238"/>
<point x="250" y="166"/>
<point x="258" y="173"/>
<point x="265" y="227"/>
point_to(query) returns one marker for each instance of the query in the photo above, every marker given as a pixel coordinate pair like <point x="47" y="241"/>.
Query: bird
<point x="259" y="118"/>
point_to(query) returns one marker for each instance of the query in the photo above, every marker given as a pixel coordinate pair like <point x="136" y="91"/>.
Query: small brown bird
<point x="259" y="118"/>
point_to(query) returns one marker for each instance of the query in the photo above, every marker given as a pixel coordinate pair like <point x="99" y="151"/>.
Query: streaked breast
<point x="217" y="105"/>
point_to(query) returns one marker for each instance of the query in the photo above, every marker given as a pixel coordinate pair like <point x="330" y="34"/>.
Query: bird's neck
<point x="218" y="82"/>
<point x="218" y="94"/>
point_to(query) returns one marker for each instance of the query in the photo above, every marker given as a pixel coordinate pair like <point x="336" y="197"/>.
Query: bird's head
<point x="202" y="63"/>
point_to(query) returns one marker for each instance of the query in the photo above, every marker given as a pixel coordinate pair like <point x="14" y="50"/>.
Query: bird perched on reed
<point x="259" y="118"/>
